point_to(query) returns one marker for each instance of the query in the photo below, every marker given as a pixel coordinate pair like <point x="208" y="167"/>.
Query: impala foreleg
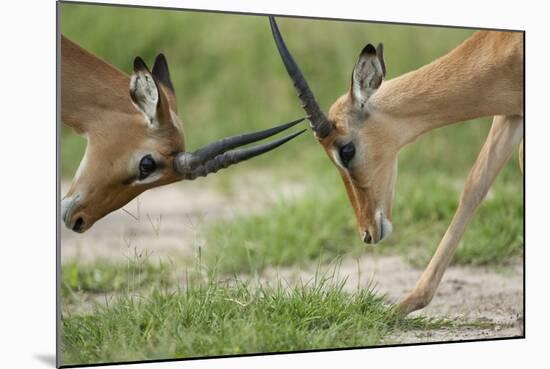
<point x="506" y="132"/>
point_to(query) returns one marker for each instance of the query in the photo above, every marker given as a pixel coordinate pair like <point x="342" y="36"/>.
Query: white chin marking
<point x="67" y="207"/>
<point x="384" y="224"/>
<point x="387" y="228"/>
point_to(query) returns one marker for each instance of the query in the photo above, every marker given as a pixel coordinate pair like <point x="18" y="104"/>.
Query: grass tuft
<point x="214" y="318"/>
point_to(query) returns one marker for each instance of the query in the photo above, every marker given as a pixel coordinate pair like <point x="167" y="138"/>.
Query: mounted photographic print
<point x="241" y="184"/>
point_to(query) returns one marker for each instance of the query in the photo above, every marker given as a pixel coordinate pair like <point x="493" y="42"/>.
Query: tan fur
<point x="481" y="77"/>
<point x="95" y="101"/>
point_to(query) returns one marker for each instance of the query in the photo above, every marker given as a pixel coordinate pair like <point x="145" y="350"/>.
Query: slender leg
<point x="506" y="132"/>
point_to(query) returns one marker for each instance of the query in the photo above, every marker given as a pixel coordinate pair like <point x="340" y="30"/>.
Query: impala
<point x="134" y="136"/>
<point x="367" y="126"/>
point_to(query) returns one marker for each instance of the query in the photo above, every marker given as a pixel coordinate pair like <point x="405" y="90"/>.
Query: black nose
<point x="367" y="239"/>
<point x="78" y="225"/>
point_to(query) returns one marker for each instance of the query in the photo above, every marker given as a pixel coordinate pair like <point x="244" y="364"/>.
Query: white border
<point x="28" y="182"/>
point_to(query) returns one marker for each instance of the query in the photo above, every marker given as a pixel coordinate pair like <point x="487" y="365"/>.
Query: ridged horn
<point x="221" y="154"/>
<point x="319" y="123"/>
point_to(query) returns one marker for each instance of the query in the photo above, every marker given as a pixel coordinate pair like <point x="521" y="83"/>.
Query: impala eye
<point x="347" y="152"/>
<point x="147" y="166"/>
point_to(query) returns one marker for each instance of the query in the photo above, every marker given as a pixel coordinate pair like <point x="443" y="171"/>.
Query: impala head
<point x="355" y="138"/>
<point x="133" y="149"/>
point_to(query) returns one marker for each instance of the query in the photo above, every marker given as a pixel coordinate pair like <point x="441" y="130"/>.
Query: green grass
<point x="290" y="232"/>
<point x="106" y="276"/>
<point x="208" y="317"/>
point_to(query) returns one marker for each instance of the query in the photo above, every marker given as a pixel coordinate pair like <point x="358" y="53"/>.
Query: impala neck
<point x="471" y="81"/>
<point x="91" y="89"/>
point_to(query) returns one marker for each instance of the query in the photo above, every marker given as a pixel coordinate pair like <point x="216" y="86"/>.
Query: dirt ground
<point x="492" y="299"/>
<point x="168" y="222"/>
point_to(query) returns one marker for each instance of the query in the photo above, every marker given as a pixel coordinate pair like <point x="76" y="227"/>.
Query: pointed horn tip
<point x="298" y="120"/>
<point x="273" y="144"/>
<point x="293" y="135"/>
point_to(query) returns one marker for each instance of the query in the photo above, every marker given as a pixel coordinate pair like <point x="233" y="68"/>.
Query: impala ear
<point x="368" y="74"/>
<point x="161" y="71"/>
<point x="148" y="95"/>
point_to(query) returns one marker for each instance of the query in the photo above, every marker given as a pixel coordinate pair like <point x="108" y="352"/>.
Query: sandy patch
<point x="468" y="294"/>
<point x="168" y="221"/>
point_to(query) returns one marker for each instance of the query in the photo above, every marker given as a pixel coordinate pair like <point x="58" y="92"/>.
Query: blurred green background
<point x="229" y="79"/>
<point x="228" y="75"/>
